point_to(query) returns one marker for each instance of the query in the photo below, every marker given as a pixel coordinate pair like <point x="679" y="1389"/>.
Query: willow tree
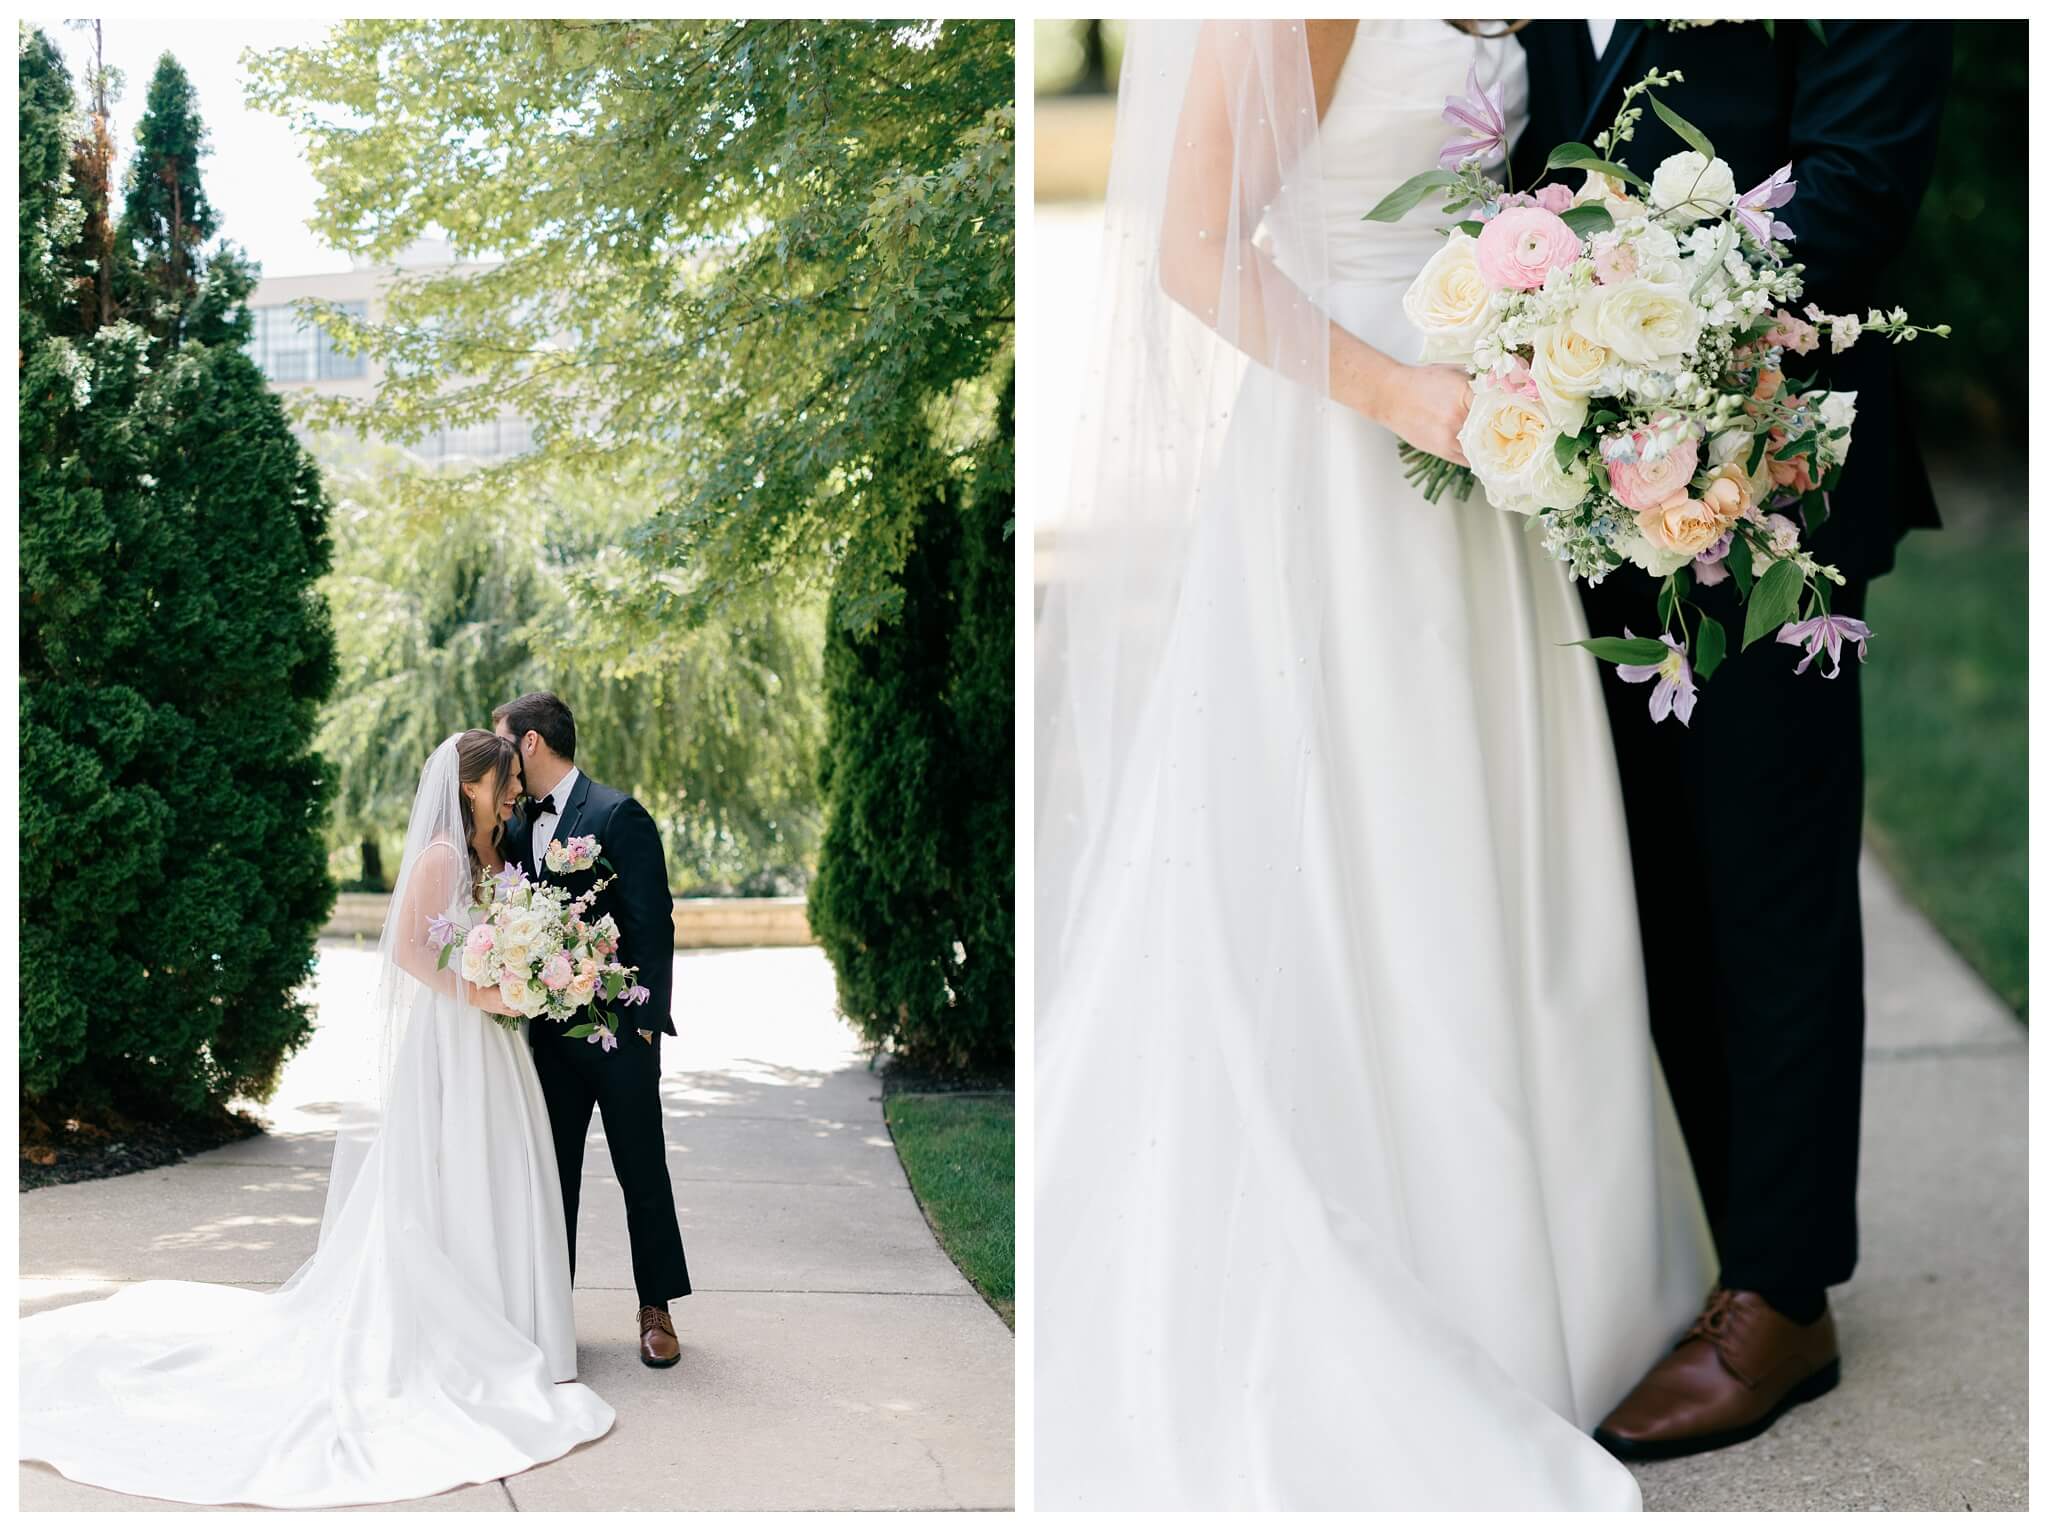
<point x="768" y="263"/>
<point x="443" y="613"/>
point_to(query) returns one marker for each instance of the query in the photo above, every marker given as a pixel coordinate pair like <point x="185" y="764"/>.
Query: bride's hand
<point x="1426" y="407"/>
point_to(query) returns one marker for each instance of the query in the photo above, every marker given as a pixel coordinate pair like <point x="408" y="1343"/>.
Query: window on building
<point x="289" y="350"/>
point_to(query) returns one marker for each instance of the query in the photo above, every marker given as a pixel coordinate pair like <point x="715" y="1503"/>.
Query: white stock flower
<point x="1688" y="187"/>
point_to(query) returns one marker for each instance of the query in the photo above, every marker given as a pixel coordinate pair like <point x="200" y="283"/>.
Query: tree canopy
<point x="766" y="264"/>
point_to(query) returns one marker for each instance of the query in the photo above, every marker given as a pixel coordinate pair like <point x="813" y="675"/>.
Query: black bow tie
<point x="545" y="805"/>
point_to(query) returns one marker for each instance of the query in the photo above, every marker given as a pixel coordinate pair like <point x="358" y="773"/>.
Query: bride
<point x="429" y="1341"/>
<point x="1358" y="1185"/>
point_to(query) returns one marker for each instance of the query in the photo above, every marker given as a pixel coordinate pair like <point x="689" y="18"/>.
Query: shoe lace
<point x="1713" y="1324"/>
<point x="653" y="1317"/>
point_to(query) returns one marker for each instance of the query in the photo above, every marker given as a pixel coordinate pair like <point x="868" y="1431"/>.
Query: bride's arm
<point x="1218" y="186"/>
<point x="430" y="888"/>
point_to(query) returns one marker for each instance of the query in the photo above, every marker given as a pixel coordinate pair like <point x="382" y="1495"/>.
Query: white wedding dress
<point x="429" y="1342"/>
<point x="1358" y="1186"/>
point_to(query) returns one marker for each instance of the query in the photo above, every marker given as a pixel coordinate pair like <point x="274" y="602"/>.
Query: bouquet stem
<point x="1433" y="475"/>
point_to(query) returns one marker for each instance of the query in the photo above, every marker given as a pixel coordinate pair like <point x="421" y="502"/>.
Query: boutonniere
<point x="1769" y="25"/>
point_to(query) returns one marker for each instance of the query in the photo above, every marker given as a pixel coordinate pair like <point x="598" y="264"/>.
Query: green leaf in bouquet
<point x="1667" y="598"/>
<point x="1813" y="505"/>
<point x="1774" y="602"/>
<point x="1577" y="156"/>
<point x="1601" y="417"/>
<point x="441" y="962"/>
<point x="605" y="862"/>
<point x="1693" y="137"/>
<point x="1758" y="330"/>
<point x="1599" y="472"/>
<point x="1403" y="199"/>
<point x="1587" y="220"/>
<point x="1567" y="449"/>
<point x="1713" y="648"/>
<point x="1757" y="447"/>
<point x="1737" y="562"/>
<point x="1833" y="480"/>
<point x="1795" y="446"/>
<point x="1471" y="227"/>
<point x="1626" y="650"/>
<point x="580" y="1032"/>
<point x="613" y="982"/>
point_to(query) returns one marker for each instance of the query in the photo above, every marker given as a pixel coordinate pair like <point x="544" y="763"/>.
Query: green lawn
<point x="1945" y="734"/>
<point x="960" y="1152"/>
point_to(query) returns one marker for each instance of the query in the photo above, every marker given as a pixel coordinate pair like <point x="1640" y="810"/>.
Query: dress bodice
<point x="1385" y="123"/>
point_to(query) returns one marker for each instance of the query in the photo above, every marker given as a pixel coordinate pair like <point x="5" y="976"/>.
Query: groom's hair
<point x="545" y="714"/>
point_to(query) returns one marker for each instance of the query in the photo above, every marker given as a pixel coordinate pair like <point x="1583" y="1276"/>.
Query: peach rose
<point x="1682" y="525"/>
<point x="1523" y="246"/>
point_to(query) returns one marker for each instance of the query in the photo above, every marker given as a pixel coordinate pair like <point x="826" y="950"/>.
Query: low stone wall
<point x="700" y="922"/>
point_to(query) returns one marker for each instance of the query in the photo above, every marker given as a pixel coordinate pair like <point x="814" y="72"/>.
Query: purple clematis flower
<point x="441" y="931"/>
<point x="510" y="879"/>
<point x="1753" y="208"/>
<point x="1479" y="114"/>
<point x="602" y="1036"/>
<point x="1675" y="689"/>
<point x="1828" y="632"/>
<point x="639" y="994"/>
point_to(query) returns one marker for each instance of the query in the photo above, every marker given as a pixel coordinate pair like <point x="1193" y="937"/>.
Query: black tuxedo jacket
<point x="638" y="899"/>
<point x="1856" y="119"/>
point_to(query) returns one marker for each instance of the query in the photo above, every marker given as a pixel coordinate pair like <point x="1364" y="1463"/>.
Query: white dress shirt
<point x="1602" y="31"/>
<point x="544" y="824"/>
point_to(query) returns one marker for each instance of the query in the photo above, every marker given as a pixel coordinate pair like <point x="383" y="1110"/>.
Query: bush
<point x="913" y="897"/>
<point x="173" y="656"/>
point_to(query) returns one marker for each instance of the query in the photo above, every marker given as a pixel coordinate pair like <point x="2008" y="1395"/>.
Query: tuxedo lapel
<point x="1607" y="71"/>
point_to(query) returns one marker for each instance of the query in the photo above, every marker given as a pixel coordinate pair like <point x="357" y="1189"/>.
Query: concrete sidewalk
<point x="833" y="1357"/>
<point x="1932" y="1410"/>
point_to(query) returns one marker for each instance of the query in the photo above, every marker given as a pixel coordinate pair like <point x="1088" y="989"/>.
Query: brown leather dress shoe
<point x="658" y="1345"/>
<point x="1739" y="1367"/>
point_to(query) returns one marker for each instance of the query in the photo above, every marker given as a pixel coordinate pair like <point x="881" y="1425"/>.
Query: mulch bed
<point x="65" y="1150"/>
<point x="900" y="1078"/>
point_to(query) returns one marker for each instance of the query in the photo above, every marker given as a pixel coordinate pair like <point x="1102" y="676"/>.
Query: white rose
<point x="1688" y="187"/>
<point x="522" y="997"/>
<point x="1448" y="301"/>
<point x="1609" y="192"/>
<point x="476" y="965"/>
<point x="1647" y="323"/>
<point x="1566" y="368"/>
<point x="1511" y="445"/>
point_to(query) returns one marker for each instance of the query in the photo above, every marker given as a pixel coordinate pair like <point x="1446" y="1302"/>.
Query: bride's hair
<point x="481" y="754"/>
<point x="1478" y="28"/>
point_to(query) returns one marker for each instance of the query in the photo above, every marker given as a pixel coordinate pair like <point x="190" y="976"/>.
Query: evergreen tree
<point x="917" y="871"/>
<point x="173" y="657"/>
<point x="166" y="219"/>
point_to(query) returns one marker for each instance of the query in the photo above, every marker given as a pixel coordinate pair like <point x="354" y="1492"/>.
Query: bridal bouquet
<point x="532" y="943"/>
<point x="1629" y="344"/>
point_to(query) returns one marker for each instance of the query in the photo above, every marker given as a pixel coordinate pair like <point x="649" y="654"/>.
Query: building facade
<point x="299" y="356"/>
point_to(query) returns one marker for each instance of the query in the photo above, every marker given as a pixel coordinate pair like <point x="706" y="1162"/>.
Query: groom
<point x="1752" y="930"/>
<point x="621" y="1079"/>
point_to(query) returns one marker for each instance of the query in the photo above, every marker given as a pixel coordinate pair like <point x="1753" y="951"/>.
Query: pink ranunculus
<point x="558" y="972"/>
<point x="1554" y="198"/>
<point x="1523" y="246"/>
<point x="482" y="938"/>
<point x="1646" y="485"/>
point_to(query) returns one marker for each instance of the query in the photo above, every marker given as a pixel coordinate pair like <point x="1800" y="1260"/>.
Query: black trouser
<point x="1745" y="829"/>
<point x="624" y="1085"/>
